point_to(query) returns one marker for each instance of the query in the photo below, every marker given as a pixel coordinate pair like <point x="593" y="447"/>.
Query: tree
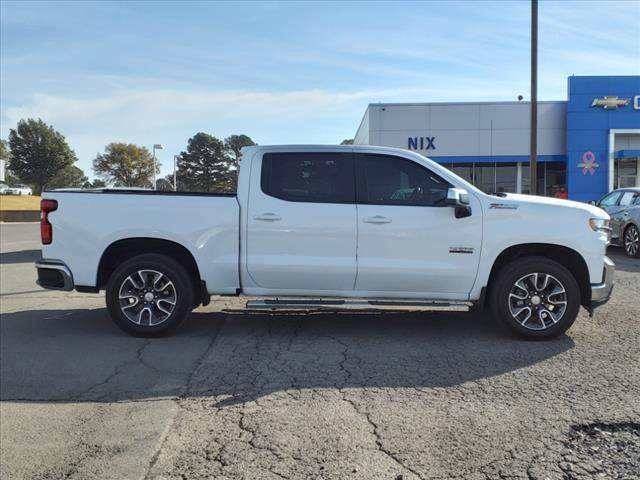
<point x="347" y="141"/>
<point x="234" y="144"/>
<point x="165" y="184"/>
<point x="70" y="177"/>
<point x="38" y="152"/>
<point x="206" y="165"/>
<point x="97" y="183"/>
<point x="126" y="165"/>
<point x="5" y="155"/>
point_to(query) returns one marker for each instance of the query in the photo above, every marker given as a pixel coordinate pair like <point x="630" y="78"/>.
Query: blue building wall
<point x="588" y="130"/>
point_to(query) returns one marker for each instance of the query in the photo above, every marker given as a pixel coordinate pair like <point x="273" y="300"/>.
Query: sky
<point x="284" y="72"/>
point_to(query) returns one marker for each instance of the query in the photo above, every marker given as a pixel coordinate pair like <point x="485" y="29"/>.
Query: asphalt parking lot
<point x="329" y="396"/>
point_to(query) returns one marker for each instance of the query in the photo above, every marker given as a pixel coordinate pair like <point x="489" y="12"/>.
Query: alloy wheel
<point x="631" y="241"/>
<point x="147" y="297"/>
<point x="537" y="301"/>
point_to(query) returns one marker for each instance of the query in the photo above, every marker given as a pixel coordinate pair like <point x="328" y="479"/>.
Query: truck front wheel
<point x="536" y="297"/>
<point x="149" y="295"/>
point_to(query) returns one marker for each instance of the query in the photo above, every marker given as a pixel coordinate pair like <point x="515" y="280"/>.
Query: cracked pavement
<point x="324" y="396"/>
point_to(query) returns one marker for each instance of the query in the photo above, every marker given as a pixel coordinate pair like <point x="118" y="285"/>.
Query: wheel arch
<point x="565" y="256"/>
<point x="122" y="250"/>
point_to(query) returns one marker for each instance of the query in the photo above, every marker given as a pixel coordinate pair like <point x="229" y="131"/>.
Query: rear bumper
<point x="601" y="292"/>
<point x="54" y="275"/>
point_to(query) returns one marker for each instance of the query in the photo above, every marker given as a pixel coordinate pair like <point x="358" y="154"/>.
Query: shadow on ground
<point x="623" y="262"/>
<point x="79" y="355"/>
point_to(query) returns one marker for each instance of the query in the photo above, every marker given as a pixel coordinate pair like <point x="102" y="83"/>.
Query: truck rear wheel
<point x="149" y="295"/>
<point x="536" y="297"/>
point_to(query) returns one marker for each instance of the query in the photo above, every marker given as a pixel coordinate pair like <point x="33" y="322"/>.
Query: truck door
<point x="301" y="227"/>
<point x="409" y="241"/>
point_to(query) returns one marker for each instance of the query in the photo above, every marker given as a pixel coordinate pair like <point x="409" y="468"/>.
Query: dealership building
<point x="588" y="144"/>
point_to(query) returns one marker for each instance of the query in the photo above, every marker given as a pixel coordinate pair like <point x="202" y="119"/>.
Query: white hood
<point x="595" y="212"/>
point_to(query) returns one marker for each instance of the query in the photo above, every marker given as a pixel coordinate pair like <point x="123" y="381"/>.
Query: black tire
<point x="154" y="321"/>
<point x="631" y="241"/>
<point x="503" y="303"/>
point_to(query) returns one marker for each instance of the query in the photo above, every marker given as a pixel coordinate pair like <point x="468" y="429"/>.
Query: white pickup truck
<point x="330" y="227"/>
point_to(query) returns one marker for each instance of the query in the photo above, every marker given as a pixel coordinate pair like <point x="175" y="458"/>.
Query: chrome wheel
<point x="147" y="297"/>
<point x="537" y="301"/>
<point x="631" y="241"/>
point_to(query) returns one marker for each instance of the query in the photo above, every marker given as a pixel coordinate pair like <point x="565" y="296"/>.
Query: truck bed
<point x="87" y="222"/>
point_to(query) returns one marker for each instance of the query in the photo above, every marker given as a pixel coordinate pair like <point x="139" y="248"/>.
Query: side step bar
<point x="306" y="304"/>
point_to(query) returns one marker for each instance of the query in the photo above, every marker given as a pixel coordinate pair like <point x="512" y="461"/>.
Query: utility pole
<point x="156" y="146"/>
<point x="175" y="164"/>
<point x="533" y="155"/>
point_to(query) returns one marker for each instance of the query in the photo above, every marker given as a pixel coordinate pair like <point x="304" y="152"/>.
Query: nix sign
<point x="421" y="143"/>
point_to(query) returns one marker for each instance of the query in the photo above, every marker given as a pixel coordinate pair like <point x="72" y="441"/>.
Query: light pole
<point x="175" y="164"/>
<point x="156" y="146"/>
<point x="533" y="154"/>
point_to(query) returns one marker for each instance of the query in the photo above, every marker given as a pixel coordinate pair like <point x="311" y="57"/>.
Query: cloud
<point x="171" y="116"/>
<point x="130" y="111"/>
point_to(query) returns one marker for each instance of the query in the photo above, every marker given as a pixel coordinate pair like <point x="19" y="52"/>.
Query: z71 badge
<point x="460" y="250"/>
<point x="503" y="206"/>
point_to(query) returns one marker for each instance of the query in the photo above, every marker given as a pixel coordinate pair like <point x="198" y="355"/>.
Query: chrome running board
<point x="334" y="304"/>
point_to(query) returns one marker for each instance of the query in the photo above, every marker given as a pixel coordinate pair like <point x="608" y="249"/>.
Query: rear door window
<point x="628" y="198"/>
<point x="309" y="177"/>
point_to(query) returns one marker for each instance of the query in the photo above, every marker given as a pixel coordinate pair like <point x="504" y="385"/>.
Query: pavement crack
<point x="187" y="391"/>
<point x="200" y="361"/>
<point x="374" y="426"/>
<point x="117" y="370"/>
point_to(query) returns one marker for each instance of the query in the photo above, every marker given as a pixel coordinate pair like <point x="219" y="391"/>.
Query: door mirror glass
<point x="457" y="197"/>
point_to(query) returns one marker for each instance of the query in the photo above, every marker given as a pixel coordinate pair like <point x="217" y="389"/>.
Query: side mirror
<point x="458" y="198"/>
<point x="593" y="202"/>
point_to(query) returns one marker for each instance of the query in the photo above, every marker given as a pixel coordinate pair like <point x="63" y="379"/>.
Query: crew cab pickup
<point x="330" y="227"/>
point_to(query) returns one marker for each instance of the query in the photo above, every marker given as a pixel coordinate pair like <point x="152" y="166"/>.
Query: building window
<point x="485" y="177"/>
<point x="552" y="177"/>
<point x="625" y="173"/>
<point x="506" y="177"/>
<point x="555" y="178"/>
<point x="463" y="170"/>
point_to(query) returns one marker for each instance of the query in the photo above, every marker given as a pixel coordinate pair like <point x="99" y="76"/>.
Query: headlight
<point x="599" y="225"/>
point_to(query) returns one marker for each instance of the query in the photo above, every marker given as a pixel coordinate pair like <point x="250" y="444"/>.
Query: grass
<point x="19" y="202"/>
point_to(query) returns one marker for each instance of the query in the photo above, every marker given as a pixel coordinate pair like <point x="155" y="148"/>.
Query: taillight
<point x="46" y="229"/>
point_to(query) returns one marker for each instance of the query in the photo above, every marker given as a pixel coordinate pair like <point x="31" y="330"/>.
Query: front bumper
<point x="54" y="275"/>
<point x="601" y="292"/>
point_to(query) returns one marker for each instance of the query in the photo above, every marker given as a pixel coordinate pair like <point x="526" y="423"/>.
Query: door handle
<point x="376" y="219"/>
<point x="267" y="217"/>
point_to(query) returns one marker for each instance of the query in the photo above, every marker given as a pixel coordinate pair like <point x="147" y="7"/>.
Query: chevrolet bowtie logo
<point x="610" y="102"/>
